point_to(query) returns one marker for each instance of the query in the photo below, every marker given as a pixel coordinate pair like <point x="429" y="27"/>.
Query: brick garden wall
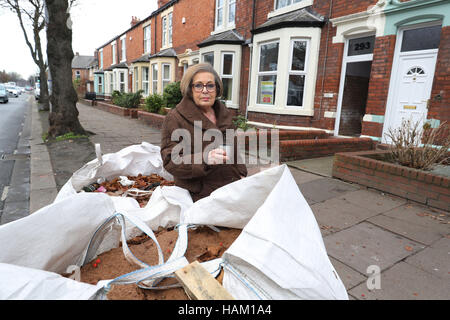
<point x="413" y="184"/>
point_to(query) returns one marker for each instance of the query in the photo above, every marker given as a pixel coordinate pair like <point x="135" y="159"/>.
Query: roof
<point x="82" y="62"/>
<point x="304" y="17"/>
<point x="227" y="37"/>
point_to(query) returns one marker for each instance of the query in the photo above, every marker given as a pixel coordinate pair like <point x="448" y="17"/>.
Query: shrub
<point x="415" y="147"/>
<point x="127" y="100"/>
<point x="154" y="103"/>
<point x="172" y="95"/>
<point x="241" y="122"/>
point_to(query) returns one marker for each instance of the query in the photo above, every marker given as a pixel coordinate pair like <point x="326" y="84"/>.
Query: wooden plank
<point x="199" y="284"/>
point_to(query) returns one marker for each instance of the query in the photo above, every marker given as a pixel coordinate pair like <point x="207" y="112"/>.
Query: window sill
<point x="227" y="28"/>
<point x="285" y="111"/>
<point x="293" y="7"/>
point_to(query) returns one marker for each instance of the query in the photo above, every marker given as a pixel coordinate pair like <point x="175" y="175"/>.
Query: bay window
<point x="136" y="79"/>
<point x="154" y="78"/>
<point x="122" y="81"/>
<point x="267" y="73"/>
<point x="284" y="86"/>
<point x="145" y="77"/>
<point x="165" y="75"/>
<point x="209" y="58"/>
<point x="227" y="75"/>
<point x="297" y="73"/>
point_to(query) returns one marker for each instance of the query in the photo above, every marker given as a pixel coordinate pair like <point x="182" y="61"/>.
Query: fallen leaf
<point x="408" y="248"/>
<point x="415" y="294"/>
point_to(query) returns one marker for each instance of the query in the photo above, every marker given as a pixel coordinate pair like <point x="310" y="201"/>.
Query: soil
<point x="203" y="244"/>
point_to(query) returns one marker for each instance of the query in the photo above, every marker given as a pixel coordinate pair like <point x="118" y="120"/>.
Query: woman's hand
<point x="217" y="156"/>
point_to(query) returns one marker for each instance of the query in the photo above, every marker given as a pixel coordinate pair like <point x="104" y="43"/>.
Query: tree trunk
<point x="43" y="96"/>
<point x="63" y="117"/>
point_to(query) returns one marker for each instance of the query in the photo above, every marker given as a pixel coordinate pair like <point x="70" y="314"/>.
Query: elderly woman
<point x="199" y="171"/>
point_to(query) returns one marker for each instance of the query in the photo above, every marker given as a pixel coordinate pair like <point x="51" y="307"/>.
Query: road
<point x="14" y="158"/>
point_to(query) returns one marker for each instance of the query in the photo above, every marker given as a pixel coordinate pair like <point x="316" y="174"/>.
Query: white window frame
<point x="147" y="39"/>
<point x="170" y="28"/>
<point x="77" y="74"/>
<point x="164" y="31"/>
<point x="112" y="78"/>
<point x="208" y="54"/>
<point x="123" y="42"/>
<point x="288" y="8"/>
<point x="167" y="80"/>
<point x="227" y="76"/>
<point x="124" y="81"/>
<point x="135" y="79"/>
<point x="114" y="53"/>
<point x="154" y="81"/>
<point x="285" y="35"/>
<point x="226" y="24"/>
<point x="267" y="73"/>
<point x="297" y="72"/>
<point x="100" y="84"/>
<point x="145" y="83"/>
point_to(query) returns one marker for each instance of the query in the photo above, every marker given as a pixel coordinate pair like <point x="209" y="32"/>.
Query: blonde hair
<point x="186" y="81"/>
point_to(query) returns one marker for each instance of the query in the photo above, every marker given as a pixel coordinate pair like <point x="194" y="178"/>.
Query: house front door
<point x="412" y="91"/>
<point x="412" y="76"/>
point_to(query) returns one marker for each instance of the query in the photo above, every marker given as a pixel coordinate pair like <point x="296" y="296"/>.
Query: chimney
<point x="134" y="21"/>
<point x="162" y="2"/>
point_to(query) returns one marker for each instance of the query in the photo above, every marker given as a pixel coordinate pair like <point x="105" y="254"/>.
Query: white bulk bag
<point x="280" y="252"/>
<point x="21" y="283"/>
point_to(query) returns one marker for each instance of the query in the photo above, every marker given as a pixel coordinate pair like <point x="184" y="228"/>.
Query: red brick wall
<point x="84" y="76"/>
<point x="413" y="184"/>
<point x="440" y="94"/>
<point x="199" y="16"/>
<point x="383" y="56"/>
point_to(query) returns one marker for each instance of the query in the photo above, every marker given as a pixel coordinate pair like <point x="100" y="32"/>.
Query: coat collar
<point x="188" y="109"/>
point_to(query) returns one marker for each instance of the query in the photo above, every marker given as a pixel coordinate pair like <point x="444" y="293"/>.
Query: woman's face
<point x="204" y="99"/>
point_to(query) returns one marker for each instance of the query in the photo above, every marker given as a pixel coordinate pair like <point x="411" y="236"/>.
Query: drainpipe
<point x="326" y="56"/>
<point x="250" y="59"/>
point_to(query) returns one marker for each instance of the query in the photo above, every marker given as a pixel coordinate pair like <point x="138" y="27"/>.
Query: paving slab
<point x="373" y="200"/>
<point x="364" y="245"/>
<point x="41" y="198"/>
<point x="325" y="188"/>
<point x="350" y="278"/>
<point x="414" y="222"/>
<point x="302" y="176"/>
<point x="434" y="260"/>
<point x="404" y="282"/>
<point x="337" y="214"/>
<point x="14" y="210"/>
<point x="322" y="166"/>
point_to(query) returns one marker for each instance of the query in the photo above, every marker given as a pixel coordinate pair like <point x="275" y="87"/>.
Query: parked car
<point x="3" y="94"/>
<point x="37" y="91"/>
<point x="13" y="91"/>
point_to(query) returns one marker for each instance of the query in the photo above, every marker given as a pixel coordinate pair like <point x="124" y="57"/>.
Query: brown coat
<point x="199" y="179"/>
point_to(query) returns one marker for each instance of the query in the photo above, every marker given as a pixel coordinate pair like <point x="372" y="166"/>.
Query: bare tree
<point x="32" y="11"/>
<point x="63" y="116"/>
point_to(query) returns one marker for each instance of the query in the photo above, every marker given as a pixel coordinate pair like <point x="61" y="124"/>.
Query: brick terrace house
<point x="352" y="68"/>
<point x="81" y="71"/>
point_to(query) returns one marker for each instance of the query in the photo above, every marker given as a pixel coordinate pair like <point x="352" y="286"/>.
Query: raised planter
<point x="152" y="119"/>
<point x="113" y="108"/>
<point x="316" y="148"/>
<point x="413" y="184"/>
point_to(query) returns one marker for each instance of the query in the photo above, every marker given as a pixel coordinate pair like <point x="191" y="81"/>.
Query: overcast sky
<point x="94" y="23"/>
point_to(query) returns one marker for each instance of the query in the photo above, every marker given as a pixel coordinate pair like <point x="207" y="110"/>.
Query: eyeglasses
<point x="198" y="87"/>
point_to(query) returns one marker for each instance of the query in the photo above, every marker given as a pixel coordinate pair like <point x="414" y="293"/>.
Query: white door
<point x="412" y="89"/>
<point x="412" y="75"/>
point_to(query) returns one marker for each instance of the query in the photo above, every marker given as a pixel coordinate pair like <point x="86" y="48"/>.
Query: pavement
<point x="382" y="246"/>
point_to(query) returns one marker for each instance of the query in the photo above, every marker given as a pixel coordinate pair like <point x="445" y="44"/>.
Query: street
<point x="14" y="159"/>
